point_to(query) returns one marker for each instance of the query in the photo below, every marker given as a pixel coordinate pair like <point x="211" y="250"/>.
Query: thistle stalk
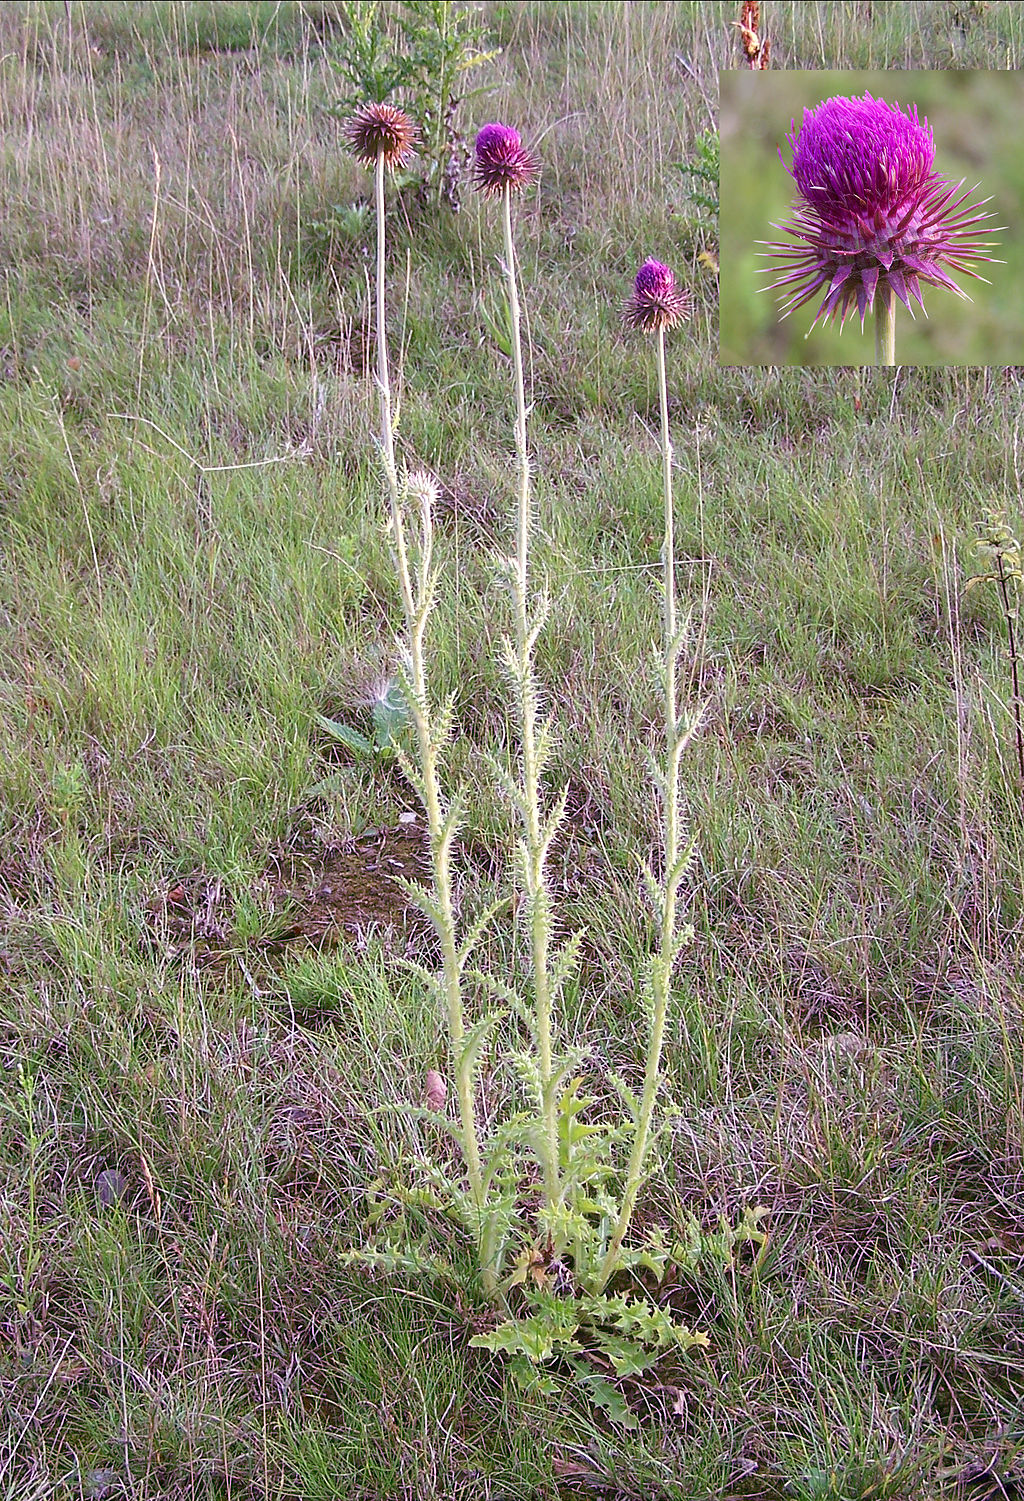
<point x="417" y="604"/>
<point x="534" y="843"/>
<point x="656" y="305"/>
<point x="885" y="327"/>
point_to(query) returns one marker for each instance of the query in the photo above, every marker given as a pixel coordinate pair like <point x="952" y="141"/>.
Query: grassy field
<point x="202" y="1006"/>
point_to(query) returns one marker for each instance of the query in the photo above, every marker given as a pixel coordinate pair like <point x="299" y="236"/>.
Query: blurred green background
<point x="976" y="118"/>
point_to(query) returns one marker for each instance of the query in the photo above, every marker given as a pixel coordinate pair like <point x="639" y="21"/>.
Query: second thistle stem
<point x="522" y="453"/>
<point x="416" y="605"/>
<point x="387" y="433"/>
<point x="662" y="961"/>
<point x="885" y="327"/>
<point x="536" y="894"/>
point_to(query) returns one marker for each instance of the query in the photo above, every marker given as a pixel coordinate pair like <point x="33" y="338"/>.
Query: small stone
<point x="407" y="817"/>
<point x="111" y="1186"/>
<point x="435" y="1090"/>
<point x="97" y="1485"/>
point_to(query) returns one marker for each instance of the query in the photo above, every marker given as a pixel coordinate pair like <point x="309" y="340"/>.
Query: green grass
<point x="193" y="567"/>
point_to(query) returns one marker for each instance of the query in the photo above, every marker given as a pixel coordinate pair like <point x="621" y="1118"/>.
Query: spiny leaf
<point x="641" y="1320"/>
<point x="627" y="1357"/>
<point x="543" y="745"/>
<point x="554" y="821"/>
<point x="566" y="962"/>
<point x="421" y="1113"/>
<point x="683" y="864"/>
<point x="654" y="890"/>
<point x="424" y="900"/>
<point x="474" y="1041"/>
<point x="655" y="773"/>
<point x="351" y="739"/>
<point x="653" y="1256"/>
<point x="510" y="659"/>
<point x="432" y="979"/>
<point x="682" y="940"/>
<point x="504" y="779"/>
<point x="526" y="1067"/>
<point x="478" y="927"/>
<point x="604" y="1395"/>
<point x="498" y="988"/>
<point x="452" y="821"/>
<point x="538" y="1337"/>
<point x="688" y="726"/>
<point x="626" y="1095"/>
<point x="566" y="1064"/>
<point x="444" y="721"/>
<point x="411" y="774"/>
<point x="680" y="639"/>
<point x="399" y="1259"/>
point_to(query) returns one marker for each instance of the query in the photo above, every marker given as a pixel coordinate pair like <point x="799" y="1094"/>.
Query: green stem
<point x="669" y="557"/>
<point x="536" y="893"/>
<point x="384" y="389"/>
<point x="662" y="961"/>
<point x="885" y="326"/>
<point x="522" y="453"/>
<point x="416" y="604"/>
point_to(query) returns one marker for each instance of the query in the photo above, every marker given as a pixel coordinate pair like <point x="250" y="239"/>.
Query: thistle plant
<point x="657" y="304"/>
<point x="874" y="220"/>
<point x="383" y="137"/>
<point x="602" y="1338"/>
<point x="572" y="1243"/>
<point x="503" y="168"/>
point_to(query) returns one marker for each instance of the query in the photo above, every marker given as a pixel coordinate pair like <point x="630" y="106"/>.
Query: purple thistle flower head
<point x="874" y="214"/>
<point x="656" y="301"/>
<point x="502" y="161"/>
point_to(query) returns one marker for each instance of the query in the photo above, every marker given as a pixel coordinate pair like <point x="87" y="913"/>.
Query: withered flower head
<point x="502" y="161"/>
<point x="381" y="130"/>
<point x="656" y="301"/>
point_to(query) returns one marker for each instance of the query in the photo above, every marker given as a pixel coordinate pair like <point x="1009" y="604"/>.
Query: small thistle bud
<point x="424" y="489"/>
<point x="435" y="1090"/>
<point x="381" y="130"/>
<point x="656" y="301"/>
<point x="502" y="161"/>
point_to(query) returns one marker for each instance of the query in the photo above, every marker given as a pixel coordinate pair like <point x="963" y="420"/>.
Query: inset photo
<point x="871" y="218"/>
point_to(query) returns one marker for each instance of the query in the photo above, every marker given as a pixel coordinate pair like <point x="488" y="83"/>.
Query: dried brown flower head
<point x="381" y="130"/>
<point x="756" y="48"/>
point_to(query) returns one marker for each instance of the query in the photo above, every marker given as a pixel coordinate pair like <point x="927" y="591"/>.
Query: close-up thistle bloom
<point x="656" y="301"/>
<point x="381" y="131"/>
<point x="874" y="220"/>
<point x="502" y="161"/>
